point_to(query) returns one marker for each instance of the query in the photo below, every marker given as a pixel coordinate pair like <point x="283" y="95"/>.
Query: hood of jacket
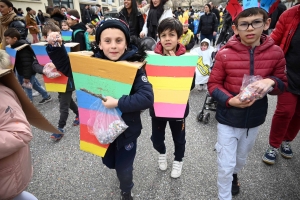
<point x="168" y="5"/>
<point x="180" y="49"/>
<point x="206" y="40"/>
<point x="80" y="25"/>
<point x="19" y="43"/>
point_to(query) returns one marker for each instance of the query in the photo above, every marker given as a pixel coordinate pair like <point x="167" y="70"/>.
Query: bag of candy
<point x="106" y="124"/>
<point x="27" y="85"/>
<point x="248" y="92"/>
<point x="50" y="71"/>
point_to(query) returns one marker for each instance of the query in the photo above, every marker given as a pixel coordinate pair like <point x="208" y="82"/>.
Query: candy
<point x="107" y="136"/>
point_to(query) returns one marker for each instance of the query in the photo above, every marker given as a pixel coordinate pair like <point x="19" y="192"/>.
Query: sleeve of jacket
<point x="140" y="23"/>
<point x="26" y="58"/>
<point x="79" y="38"/>
<point x="216" y="82"/>
<point x="142" y="97"/>
<point x="278" y="32"/>
<point x="279" y="76"/>
<point x="191" y="44"/>
<point x="216" y="23"/>
<point x="60" y="59"/>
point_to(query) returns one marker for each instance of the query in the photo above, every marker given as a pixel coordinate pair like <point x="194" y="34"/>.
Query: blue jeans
<point x="208" y="36"/>
<point x="35" y="84"/>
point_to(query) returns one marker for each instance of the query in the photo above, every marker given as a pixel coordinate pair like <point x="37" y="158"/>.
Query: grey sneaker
<point x="270" y="155"/>
<point x="286" y="150"/>
<point x="35" y="93"/>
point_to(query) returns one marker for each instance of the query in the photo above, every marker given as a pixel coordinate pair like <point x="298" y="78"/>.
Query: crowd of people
<point x="239" y="112"/>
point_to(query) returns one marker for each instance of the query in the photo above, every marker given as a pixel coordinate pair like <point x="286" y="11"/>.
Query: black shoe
<point x="235" y="188"/>
<point x="126" y="196"/>
<point x="46" y="100"/>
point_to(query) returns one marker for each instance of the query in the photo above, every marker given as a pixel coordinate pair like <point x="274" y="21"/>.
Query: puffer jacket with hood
<point x="20" y="24"/>
<point x="208" y="24"/>
<point x="231" y="63"/>
<point x="79" y="36"/>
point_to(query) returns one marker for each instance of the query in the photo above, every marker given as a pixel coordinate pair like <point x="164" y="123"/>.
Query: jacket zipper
<point x="251" y="73"/>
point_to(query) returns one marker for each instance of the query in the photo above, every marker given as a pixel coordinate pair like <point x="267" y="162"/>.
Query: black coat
<point x="208" y="24"/>
<point x="217" y="13"/>
<point x="134" y="29"/>
<point x="79" y="37"/>
<point x="58" y="17"/>
<point x="24" y="60"/>
<point x="276" y="14"/>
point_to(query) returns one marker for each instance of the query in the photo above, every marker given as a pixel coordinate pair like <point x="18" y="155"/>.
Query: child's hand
<point x="236" y="102"/>
<point x="54" y="38"/>
<point x="171" y="53"/>
<point x="26" y="80"/>
<point x="262" y="86"/>
<point x="110" y="102"/>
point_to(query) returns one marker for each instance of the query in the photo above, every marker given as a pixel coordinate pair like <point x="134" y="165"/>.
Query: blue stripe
<point x="66" y="33"/>
<point x="11" y="52"/>
<point x="41" y="50"/>
<point x="86" y="101"/>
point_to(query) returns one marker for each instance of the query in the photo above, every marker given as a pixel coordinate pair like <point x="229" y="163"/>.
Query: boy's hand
<point x="171" y="53"/>
<point x="236" y="102"/>
<point x="262" y="86"/>
<point x="54" y="38"/>
<point x="110" y="102"/>
<point x="26" y="80"/>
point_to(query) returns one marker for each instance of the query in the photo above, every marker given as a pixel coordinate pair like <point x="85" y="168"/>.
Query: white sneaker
<point x="176" y="170"/>
<point x="162" y="162"/>
<point x="35" y="93"/>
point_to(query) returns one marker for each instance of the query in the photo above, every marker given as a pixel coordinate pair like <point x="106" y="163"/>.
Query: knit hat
<point x="28" y="9"/>
<point x="113" y="23"/>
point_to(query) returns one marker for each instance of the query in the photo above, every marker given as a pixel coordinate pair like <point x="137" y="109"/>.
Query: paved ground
<point x="62" y="171"/>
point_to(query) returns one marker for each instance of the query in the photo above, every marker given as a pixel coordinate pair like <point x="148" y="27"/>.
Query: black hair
<point x="8" y="3"/>
<point x="12" y="32"/>
<point x="133" y="13"/>
<point x="171" y="24"/>
<point x="250" y="12"/>
<point x="209" y="6"/>
<point x="160" y="7"/>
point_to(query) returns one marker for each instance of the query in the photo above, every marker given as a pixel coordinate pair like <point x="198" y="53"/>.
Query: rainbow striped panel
<point x="171" y="78"/>
<point x="66" y="35"/>
<point x="12" y="54"/>
<point x="100" y="77"/>
<point x="58" y="84"/>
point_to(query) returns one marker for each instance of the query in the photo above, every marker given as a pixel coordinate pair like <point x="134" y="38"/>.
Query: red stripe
<point x="62" y="79"/>
<point x="167" y="71"/>
<point x="90" y="138"/>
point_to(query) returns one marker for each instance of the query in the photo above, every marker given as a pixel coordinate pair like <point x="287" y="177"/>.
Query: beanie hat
<point x="73" y="14"/>
<point x="28" y="9"/>
<point x="113" y="23"/>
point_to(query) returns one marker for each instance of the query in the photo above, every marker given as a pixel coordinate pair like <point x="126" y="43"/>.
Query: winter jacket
<point x="20" y="24"/>
<point x="276" y="14"/>
<point x="15" y="135"/>
<point x="24" y="60"/>
<point x="284" y="35"/>
<point x="79" y="36"/>
<point x="58" y="17"/>
<point x="31" y="24"/>
<point x="167" y="13"/>
<point x="61" y="60"/>
<point x="208" y="24"/>
<point x="87" y="16"/>
<point x="217" y="13"/>
<point x="41" y="18"/>
<point x="134" y="29"/>
<point x="139" y="98"/>
<point x="180" y="50"/>
<point x="231" y="63"/>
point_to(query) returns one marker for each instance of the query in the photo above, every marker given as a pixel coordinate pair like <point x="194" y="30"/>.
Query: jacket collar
<point x="180" y="49"/>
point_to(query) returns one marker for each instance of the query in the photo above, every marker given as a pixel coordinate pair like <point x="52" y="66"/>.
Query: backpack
<point x="86" y="38"/>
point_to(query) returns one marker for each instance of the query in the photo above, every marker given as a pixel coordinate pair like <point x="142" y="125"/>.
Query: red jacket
<point x="286" y="27"/>
<point x="179" y="50"/>
<point x="232" y="62"/>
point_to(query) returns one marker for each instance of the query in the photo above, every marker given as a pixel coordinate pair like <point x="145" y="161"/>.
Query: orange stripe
<point x="90" y="138"/>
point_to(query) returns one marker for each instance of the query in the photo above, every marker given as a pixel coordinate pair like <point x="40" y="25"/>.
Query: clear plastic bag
<point x="247" y="91"/>
<point x="27" y="85"/>
<point x="106" y="124"/>
<point x="50" y="71"/>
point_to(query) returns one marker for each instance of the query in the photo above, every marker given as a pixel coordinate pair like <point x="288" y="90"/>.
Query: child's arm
<point x="191" y="44"/>
<point x="26" y="58"/>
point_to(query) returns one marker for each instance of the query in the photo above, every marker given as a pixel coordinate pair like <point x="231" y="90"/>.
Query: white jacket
<point x="167" y="13"/>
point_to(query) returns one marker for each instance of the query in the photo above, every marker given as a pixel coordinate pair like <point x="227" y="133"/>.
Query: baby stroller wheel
<point x="200" y="116"/>
<point x="206" y="118"/>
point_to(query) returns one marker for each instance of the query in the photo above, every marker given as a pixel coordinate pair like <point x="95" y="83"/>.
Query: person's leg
<point x="158" y="135"/>
<point x="294" y="125"/>
<point x="64" y="104"/>
<point x="25" y="196"/>
<point x="226" y="148"/>
<point x="37" y="86"/>
<point x="73" y="106"/>
<point x="202" y="37"/>
<point x="178" y="133"/>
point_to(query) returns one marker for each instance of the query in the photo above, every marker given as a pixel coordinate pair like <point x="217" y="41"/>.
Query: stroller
<point x="209" y="103"/>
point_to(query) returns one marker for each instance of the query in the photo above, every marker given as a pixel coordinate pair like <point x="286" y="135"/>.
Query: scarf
<point x="152" y="21"/>
<point x="5" y="21"/>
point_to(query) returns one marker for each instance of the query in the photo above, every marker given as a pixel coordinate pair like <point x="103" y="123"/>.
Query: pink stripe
<point x="12" y="60"/>
<point x="86" y="115"/>
<point x="169" y="110"/>
<point x="43" y="59"/>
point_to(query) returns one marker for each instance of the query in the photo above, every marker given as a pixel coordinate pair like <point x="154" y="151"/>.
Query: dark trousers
<point x="208" y="36"/>
<point x="196" y="38"/>
<point x="122" y="161"/>
<point x="65" y="102"/>
<point x="178" y="134"/>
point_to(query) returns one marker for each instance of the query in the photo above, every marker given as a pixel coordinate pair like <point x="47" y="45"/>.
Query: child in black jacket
<point x="114" y="42"/>
<point x="59" y="57"/>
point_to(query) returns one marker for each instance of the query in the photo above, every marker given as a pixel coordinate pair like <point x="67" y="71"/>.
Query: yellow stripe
<point x="91" y="148"/>
<point x="171" y="96"/>
<point x="171" y="83"/>
<point x="55" y="87"/>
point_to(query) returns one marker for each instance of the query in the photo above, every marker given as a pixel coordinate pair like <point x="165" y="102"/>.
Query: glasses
<point x="243" y="26"/>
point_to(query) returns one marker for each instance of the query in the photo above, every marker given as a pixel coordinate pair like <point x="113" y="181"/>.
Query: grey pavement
<point x="63" y="171"/>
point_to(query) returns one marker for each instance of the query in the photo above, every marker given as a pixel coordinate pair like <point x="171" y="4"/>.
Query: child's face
<point x="65" y="27"/>
<point x="11" y="41"/>
<point x="113" y="43"/>
<point x="89" y="30"/>
<point x="169" y="40"/>
<point x="71" y="22"/>
<point x="185" y="27"/>
<point x="251" y="36"/>
<point x="204" y="46"/>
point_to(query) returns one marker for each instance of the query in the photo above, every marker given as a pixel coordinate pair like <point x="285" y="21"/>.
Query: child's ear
<point x="267" y="24"/>
<point x="100" y="46"/>
<point x="234" y="28"/>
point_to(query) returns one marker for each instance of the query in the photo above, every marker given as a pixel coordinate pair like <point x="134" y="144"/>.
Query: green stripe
<point x="100" y="85"/>
<point x="184" y="60"/>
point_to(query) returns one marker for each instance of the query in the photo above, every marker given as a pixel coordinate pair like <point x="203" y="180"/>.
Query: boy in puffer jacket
<point x="252" y="53"/>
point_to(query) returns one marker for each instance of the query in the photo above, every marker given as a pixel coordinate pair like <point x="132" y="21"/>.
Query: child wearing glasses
<point x="252" y="53"/>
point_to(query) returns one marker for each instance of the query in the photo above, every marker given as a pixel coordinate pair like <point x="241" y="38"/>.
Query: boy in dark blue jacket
<point x="113" y="37"/>
<point x="59" y="57"/>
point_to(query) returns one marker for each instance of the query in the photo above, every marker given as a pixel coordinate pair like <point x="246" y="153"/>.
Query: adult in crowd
<point x="276" y="14"/>
<point x="286" y="120"/>
<point x="156" y="12"/>
<point x="41" y="17"/>
<point x="178" y="12"/>
<point x="86" y="15"/>
<point x="132" y="17"/>
<point x="93" y="12"/>
<point x="20" y="12"/>
<point x="63" y="11"/>
<point x="208" y="24"/>
<point x="10" y="19"/>
<point x="191" y="11"/>
<point x="99" y="10"/>
<point x="57" y="16"/>
<point x="32" y="25"/>
<point x="217" y="13"/>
